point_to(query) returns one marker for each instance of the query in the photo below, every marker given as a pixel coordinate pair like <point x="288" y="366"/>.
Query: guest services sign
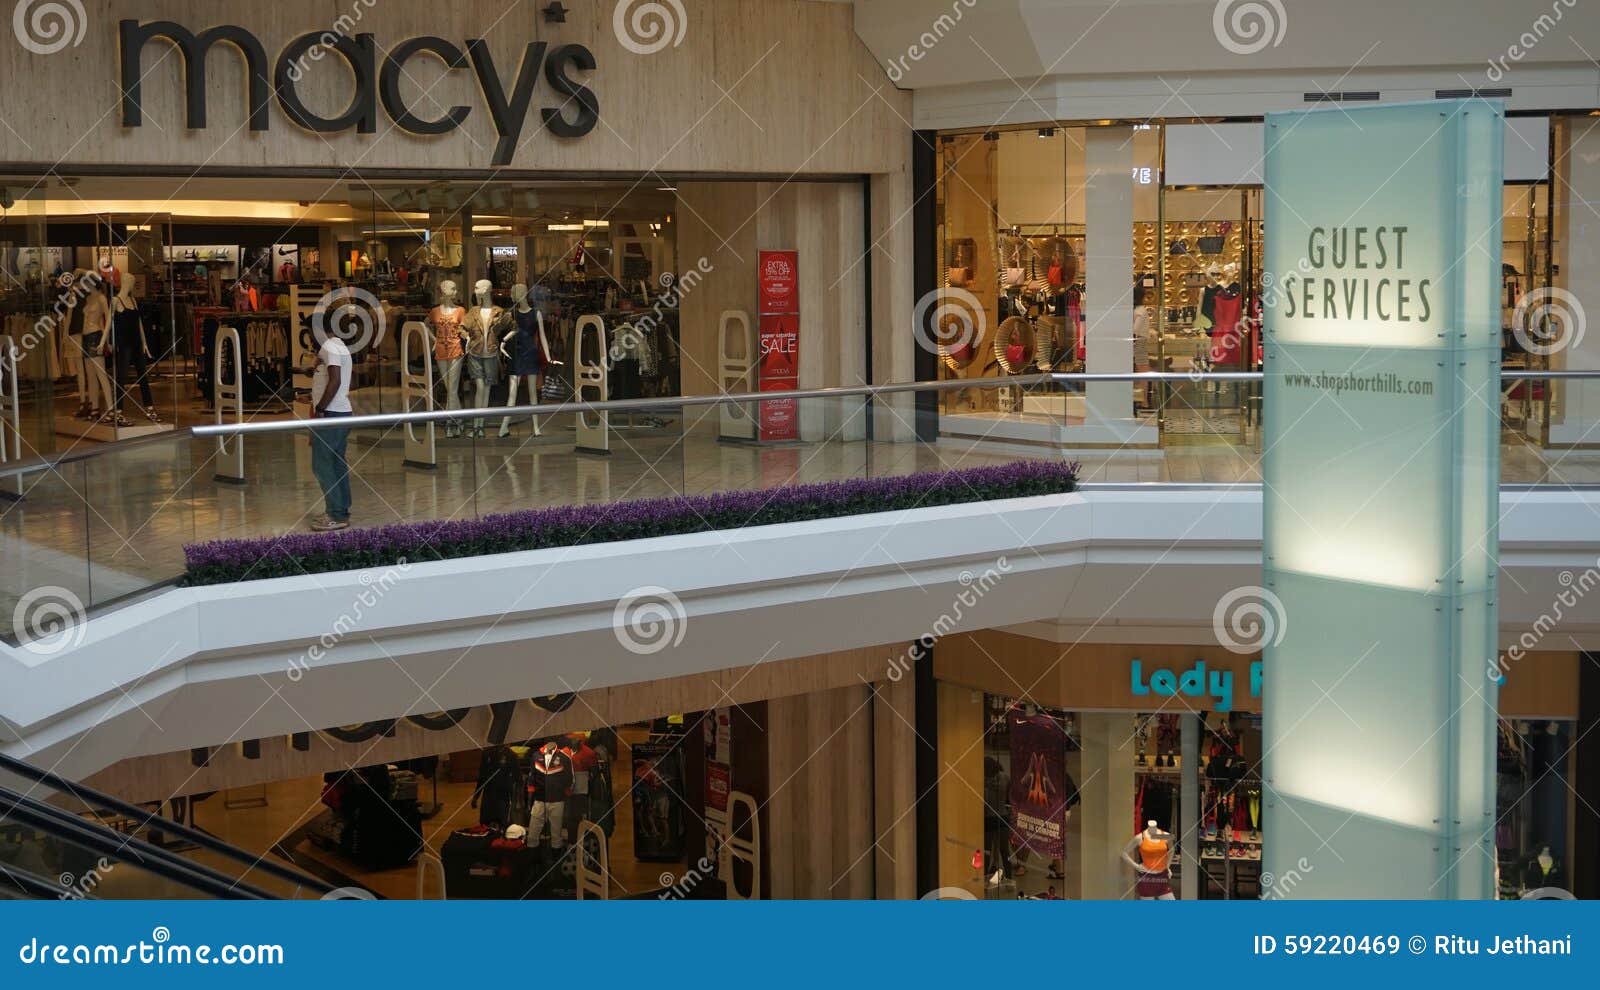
<point x="1380" y="493"/>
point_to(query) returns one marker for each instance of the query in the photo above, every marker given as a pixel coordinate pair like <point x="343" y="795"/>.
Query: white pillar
<point x="1108" y="283"/>
<point x="1575" y="415"/>
<point x="1105" y="811"/>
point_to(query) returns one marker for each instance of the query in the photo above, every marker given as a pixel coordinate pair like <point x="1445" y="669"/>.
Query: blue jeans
<point x="328" y="464"/>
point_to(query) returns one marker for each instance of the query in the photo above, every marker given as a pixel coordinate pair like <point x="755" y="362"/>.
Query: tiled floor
<point x="112" y="525"/>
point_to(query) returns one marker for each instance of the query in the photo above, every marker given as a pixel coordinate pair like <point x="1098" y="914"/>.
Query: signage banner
<point x="779" y="336"/>
<point x="658" y="802"/>
<point x="1042" y="794"/>
<point x="780" y="282"/>
<point x="1380" y="495"/>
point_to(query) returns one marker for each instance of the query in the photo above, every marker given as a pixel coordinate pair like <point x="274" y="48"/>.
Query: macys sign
<point x="376" y="81"/>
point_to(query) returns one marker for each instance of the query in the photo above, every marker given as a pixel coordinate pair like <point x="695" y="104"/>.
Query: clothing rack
<point x="265" y="350"/>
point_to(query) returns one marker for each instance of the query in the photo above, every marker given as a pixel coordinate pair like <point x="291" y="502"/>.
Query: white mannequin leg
<point x="511" y="400"/>
<point x="450" y="374"/>
<point x="482" y="403"/>
<point x="75" y="362"/>
<point x="100" y="384"/>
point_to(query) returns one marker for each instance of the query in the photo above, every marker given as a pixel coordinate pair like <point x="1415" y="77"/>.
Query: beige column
<point x="960" y="788"/>
<point x="893" y="299"/>
<point x="895" y="788"/>
<point x="820" y="810"/>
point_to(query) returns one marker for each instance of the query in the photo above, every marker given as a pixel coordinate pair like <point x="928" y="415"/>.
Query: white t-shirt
<point x="333" y="353"/>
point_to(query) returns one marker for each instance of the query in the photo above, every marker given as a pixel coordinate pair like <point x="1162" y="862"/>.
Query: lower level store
<point x="1128" y="772"/>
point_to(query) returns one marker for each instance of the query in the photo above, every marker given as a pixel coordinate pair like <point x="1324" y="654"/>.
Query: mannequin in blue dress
<point x="532" y="353"/>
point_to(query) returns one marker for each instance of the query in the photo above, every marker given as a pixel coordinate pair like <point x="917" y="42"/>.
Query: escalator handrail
<point x="113" y="844"/>
<point x="100" y="801"/>
<point x="34" y="885"/>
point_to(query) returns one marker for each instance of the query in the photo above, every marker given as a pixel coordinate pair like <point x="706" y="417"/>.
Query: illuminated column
<point x="1380" y="498"/>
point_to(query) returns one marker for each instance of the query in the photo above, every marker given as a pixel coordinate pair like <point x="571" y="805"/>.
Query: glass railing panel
<point x="1550" y="431"/>
<point x="775" y="442"/>
<point x="45" y="584"/>
<point x="139" y="516"/>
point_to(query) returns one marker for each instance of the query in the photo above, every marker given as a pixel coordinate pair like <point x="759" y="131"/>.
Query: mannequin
<point x="70" y="302"/>
<point x="131" y="349"/>
<point x="1153" y="868"/>
<point x="482" y="327"/>
<point x="551" y="782"/>
<point x="1225" y="303"/>
<point x="1542" y="871"/>
<point x="448" y="350"/>
<point x="532" y="355"/>
<point x="96" y="345"/>
<point x="245" y="297"/>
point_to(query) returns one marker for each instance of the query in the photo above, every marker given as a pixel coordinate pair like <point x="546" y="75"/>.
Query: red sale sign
<point x="780" y="347"/>
<point x="780" y="282"/>
<point x="778" y="292"/>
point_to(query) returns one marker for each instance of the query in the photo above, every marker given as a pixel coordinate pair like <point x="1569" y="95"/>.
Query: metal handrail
<point x="127" y="849"/>
<point x="51" y="461"/>
<point x="103" y="802"/>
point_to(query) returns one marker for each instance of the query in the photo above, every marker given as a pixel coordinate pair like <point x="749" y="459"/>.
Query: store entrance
<point x="122" y="297"/>
<point x="1203" y="262"/>
<point x="637" y="806"/>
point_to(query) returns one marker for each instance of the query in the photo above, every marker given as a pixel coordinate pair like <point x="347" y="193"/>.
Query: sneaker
<point x="328" y="524"/>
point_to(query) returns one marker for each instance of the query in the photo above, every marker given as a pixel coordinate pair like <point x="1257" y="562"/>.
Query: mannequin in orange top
<point x="1153" y="868"/>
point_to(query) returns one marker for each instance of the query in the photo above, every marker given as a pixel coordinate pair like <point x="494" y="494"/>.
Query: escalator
<point x="61" y="840"/>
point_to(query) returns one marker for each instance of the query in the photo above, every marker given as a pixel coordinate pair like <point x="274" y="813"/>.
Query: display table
<point x="475" y="868"/>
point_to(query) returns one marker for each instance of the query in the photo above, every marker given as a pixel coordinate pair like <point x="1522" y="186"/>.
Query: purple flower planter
<point x="227" y="561"/>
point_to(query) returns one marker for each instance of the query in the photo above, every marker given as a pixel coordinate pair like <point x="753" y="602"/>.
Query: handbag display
<point x="556" y="389"/>
<point x="960" y="268"/>
<point x="1209" y="245"/>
